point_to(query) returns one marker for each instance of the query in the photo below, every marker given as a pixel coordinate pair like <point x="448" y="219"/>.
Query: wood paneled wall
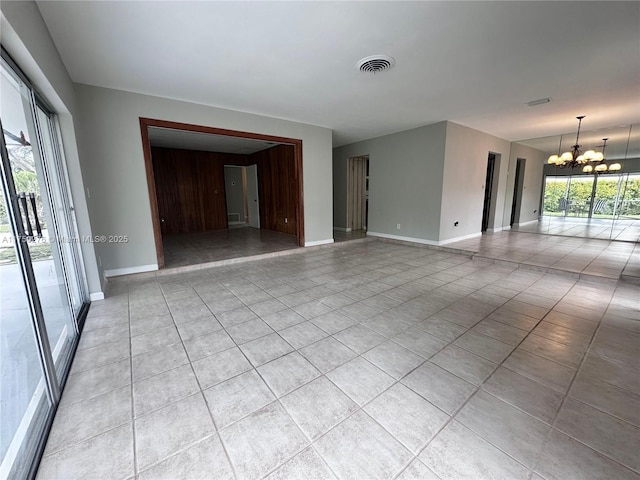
<point x="277" y="188"/>
<point x="190" y="189"/>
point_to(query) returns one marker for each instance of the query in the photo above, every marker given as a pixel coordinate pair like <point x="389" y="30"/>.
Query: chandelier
<point x="575" y="158"/>
<point x="602" y="166"/>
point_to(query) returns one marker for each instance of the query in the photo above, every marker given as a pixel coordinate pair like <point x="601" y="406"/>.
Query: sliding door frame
<point x="54" y="381"/>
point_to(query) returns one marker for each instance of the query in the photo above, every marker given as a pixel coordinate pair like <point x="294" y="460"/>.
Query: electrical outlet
<point x="397" y="226"/>
<point x="286" y="220"/>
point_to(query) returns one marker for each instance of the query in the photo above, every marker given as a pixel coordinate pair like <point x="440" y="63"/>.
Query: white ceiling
<point x="205" y="142"/>
<point x="474" y="63"/>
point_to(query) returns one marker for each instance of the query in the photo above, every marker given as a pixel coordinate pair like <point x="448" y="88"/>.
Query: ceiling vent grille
<point x="376" y="63"/>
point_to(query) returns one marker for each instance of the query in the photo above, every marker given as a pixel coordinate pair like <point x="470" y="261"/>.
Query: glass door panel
<point x="32" y="185"/>
<point x="579" y="196"/>
<point x="604" y="201"/>
<point x="24" y="402"/>
<point x="628" y="205"/>
<point x="555" y="196"/>
<point x="66" y="238"/>
<point x="626" y="210"/>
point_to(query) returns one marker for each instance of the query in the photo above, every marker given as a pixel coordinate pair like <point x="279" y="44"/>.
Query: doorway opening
<point x="357" y="196"/>
<point x="488" y="191"/>
<point x="242" y="197"/>
<point x="190" y="171"/>
<point x="517" y="191"/>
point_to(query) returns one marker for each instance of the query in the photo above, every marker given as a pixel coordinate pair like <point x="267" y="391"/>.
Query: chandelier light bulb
<point x="601" y="168"/>
<point x="587" y="169"/>
<point x="614" y="167"/>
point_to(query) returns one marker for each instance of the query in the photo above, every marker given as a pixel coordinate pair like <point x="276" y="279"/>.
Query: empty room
<point x="324" y="240"/>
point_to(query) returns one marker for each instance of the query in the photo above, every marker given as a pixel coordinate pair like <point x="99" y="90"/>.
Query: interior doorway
<point x="242" y="197"/>
<point x="357" y="193"/>
<point x="517" y="191"/>
<point x="252" y="196"/>
<point x="488" y="191"/>
<point x="187" y="190"/>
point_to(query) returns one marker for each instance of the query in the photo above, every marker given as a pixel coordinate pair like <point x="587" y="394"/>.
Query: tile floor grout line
<point x="568" y="390"/>
<point x="567" y="395"/>
<point x="479" y="388"/>
<point x="276" y="399"/>
<point x="408" y="280"/>
<point x="201" y="393"/>
<point x="133" y="412"/>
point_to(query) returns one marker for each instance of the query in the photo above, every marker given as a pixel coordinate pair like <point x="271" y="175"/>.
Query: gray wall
<point x="110" y="146"/>
<point x="465" y="170"/>
<point x="532" y="186"/>
<point x="26" y="38"/>
<point x="233" y="190"/>
<point x="340" y="163"/>
<point x="405" y="182"/>
<point x="426" y="179"/>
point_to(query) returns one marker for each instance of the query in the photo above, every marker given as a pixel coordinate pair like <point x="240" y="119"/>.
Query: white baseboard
<point x="404" y="239"/>
<point x="318" y="242"/>
<point x="422" y="241"/>
<point x="342" y="229"/>
<point x="459" y="239"/>
<point x="496" y="230"/>
<point x="96" y="296"/>
<point x="116" y="272"/>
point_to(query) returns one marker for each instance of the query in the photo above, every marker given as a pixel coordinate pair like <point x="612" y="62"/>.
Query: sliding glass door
<point x="42" y="292"/>
<point x="25" y="404"/>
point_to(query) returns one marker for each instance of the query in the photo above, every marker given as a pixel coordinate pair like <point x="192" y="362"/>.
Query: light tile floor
<point x="194" y="248"/>
<point x="621" y="229"/>
<point x="588" y="257"/>
<point x="370" y="360"/>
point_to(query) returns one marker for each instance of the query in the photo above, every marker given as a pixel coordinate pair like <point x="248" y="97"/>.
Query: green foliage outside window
<point x="579" y="196"/>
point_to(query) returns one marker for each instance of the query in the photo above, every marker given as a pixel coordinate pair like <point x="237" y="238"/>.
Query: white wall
<point x="233" y="190"/>
<point x="465" y="170"/>
<point x="111" y="150"/>
<point x="405" y="182"/>
<point x="26" y="38"/>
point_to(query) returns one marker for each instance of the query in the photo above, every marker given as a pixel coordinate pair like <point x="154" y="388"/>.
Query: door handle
<point x="22" y="198"/>
<point x="32" y="200"/>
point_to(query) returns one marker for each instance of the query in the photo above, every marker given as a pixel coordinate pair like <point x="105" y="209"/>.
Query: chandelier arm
<point x="578" y="134"/>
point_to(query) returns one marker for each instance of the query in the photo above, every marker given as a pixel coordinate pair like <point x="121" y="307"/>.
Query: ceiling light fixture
<point x="602" y="166"/>
<point x="375" y="63"/>
<point x="575" y="157"/>
<point x="540" y="101"/>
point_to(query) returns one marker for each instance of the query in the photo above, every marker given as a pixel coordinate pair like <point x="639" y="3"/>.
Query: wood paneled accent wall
<point x="277" y="188"/>
<point x="190" y="189"/>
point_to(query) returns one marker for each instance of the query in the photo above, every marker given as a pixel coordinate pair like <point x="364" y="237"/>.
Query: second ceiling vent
<point x="376" y="63"/>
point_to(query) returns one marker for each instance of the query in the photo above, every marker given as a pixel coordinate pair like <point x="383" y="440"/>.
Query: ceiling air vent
<point x="375" y="63"/>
